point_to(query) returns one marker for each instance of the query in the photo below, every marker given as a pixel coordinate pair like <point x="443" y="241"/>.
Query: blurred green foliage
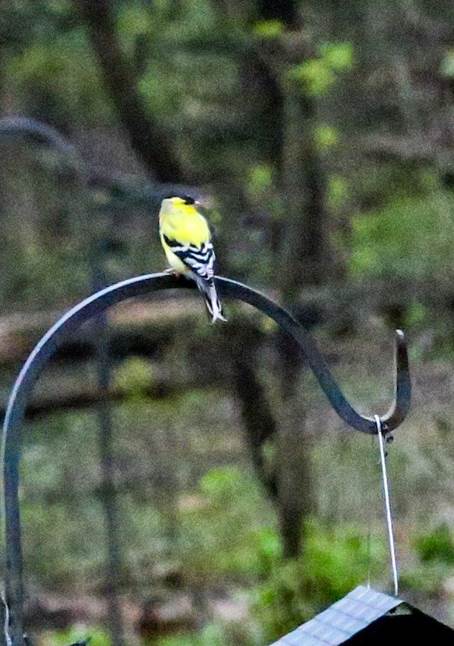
<point x="437" y="545"/>
<point x="216" y="634"/>
<point x="268" y="29"/>
<point x="134" y="376"/>
<point x="412" y="239"/>
<point x="447" y="64"/>
<point x="317" y="75"/>
<point x="244" y="543"/>
<point x="97" y="637"/>
<point x="435" y="565"/>
<point x="65" y="61"/>
<point x="335" y="560"/>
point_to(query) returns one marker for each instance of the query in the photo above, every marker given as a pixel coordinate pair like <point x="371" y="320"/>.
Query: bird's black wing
<point x="200" y="260"/>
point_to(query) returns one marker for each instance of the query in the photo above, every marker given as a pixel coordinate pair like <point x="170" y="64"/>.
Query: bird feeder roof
<point x="356" y="612"/>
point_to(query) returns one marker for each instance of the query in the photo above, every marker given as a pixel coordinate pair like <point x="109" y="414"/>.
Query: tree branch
<point x="146" y="137"/>
<point x="87" y="398"/>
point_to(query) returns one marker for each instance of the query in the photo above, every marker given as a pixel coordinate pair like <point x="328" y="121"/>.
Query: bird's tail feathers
<point x="212" y="302"/>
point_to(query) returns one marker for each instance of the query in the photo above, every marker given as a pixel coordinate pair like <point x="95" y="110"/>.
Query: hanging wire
<point x="389" y="521"/>
<point x="369" y="520"/>
<point x="6" y="634"/>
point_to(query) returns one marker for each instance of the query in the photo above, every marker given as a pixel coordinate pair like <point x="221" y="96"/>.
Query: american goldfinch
<point x="186" y="239"/>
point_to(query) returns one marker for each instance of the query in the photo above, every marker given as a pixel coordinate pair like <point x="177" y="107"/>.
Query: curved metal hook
<point x="98" y="303"/>
<point x="402" y="388"/>
<point x="150" y="194"/>
<point x="141" y="285"/>
<point x="38" y="132"/>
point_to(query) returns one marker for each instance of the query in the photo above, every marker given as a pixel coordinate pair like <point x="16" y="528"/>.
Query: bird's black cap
<point x="187" y="199"/>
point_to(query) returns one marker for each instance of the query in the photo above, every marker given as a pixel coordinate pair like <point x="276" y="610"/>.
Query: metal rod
<point x="44" y="135"/>
<point x="4" y="615"/>
<point x="108" y="496"/>
<point x="113" y="563"/>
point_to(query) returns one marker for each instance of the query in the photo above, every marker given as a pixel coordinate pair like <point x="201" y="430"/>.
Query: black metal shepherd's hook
<point x="146" y="193"/>
<point x="98" y="303"/>
<point x="30" y="130"/>
<point x="120" y="190"/>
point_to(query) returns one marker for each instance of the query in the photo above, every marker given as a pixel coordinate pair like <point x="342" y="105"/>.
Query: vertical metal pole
<point x="105" y="446"/>
<point x="13" y="628"/>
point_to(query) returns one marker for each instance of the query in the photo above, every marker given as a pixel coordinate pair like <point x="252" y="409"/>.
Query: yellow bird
<point x="186" y="239"/>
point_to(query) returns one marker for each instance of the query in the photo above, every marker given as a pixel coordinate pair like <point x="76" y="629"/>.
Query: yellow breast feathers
<point x="182" y="223"/>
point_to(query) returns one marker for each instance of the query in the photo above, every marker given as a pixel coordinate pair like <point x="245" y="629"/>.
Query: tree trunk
<point x="304" y="250"/>
<point x="146" y="137"/>
<point x="294" y="475"/>
<point x="288" y="130"/>
<point x="257" y="416"/>
<point x="302" y="259"/>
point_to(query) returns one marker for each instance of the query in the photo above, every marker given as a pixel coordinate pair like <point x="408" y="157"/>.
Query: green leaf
<point x="337" y="56"/>
<point x="338" y="191"/>
<point x="447" y="64"/>
<point x="260" y="178"/>
<point x="316" y="77"/>
<point x="268" y="29"/>
<point x="325" y="136"/>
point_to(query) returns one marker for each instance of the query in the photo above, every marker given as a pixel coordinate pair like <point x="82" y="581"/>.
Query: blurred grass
<point x="224" y="530"/>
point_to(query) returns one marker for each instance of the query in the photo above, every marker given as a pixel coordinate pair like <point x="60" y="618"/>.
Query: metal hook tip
<point x="401" y="350"/>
